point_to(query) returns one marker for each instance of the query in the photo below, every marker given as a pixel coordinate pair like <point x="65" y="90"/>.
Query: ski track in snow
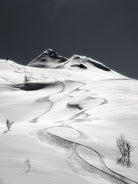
<point x="61" y="141"/>
<point x="51" y="103"/>
<point x="106" y="172"/>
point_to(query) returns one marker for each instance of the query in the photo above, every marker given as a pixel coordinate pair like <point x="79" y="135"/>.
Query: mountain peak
<point x="86" y="62"/>
<point x="48" y="58"/>
<point x="51" y="59"/>
<point x="50" y="52"/>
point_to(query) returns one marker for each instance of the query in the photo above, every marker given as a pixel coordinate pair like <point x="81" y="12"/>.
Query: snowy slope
<point x="67" y="118"/>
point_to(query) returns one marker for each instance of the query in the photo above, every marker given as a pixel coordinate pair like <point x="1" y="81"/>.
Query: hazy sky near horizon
<point x="105" y="30"/>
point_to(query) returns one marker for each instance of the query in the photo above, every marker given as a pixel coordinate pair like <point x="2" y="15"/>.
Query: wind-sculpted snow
<point x="65" y="121"/>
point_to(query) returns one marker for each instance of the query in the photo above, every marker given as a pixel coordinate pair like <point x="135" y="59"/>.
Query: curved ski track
<point x="106" y="171"/>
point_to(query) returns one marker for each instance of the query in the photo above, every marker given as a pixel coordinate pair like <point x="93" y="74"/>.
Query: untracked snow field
<point x="66" y="122"/>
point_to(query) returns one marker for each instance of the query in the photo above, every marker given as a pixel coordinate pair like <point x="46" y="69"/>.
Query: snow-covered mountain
<point x="48" y="59"/>
<point x="65" y="118"/>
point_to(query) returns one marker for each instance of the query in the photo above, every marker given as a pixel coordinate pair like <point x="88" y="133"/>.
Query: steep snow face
<point x="63" y="123"/>
<point x="48" y="59"/>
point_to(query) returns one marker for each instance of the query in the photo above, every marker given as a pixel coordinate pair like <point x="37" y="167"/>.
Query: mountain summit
<point x="51" y="59"/>
<point x="48" y="59"/>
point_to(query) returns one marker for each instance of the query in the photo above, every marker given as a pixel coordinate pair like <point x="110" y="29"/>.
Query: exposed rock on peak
<point x="48" y="59"/>
<point x="84" y="62"/>
<point x="51" y="59"/>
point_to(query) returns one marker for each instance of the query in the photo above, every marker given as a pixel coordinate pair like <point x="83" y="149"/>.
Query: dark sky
<point x="106" y="30"/>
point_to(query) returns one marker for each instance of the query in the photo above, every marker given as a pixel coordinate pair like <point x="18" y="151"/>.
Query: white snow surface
<point x="66" y="122"/>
